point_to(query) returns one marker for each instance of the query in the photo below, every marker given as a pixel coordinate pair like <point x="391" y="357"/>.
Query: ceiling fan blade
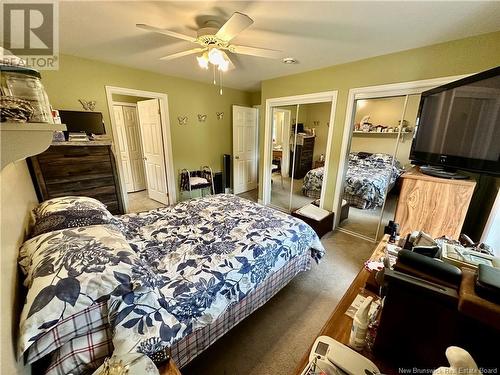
<point x="182" y="54"/>
<point x="255" y="51"/>
<point x="231" y="64"/>
<point x="233" y="26"/>
<point x="173" y="34"/>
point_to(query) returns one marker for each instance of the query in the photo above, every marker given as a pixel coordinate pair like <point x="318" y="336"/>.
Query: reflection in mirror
<point x="300" y="135"/>
<point x="401" y="160"/>
<point x="371" y="170"/>
<point x="284" y="119"/>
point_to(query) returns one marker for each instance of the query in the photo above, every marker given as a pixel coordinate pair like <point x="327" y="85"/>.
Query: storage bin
<point x="24" y="83"/>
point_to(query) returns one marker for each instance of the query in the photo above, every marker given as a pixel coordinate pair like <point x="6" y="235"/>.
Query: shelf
<point x="21" y="140"/>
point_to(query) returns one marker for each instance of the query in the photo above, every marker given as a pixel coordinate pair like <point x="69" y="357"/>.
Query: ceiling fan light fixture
<point x="215" y="56"/>
<point x="203" y="61"/>
<point x="224" y="66"/>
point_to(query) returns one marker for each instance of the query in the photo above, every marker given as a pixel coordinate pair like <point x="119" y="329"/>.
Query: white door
<point x="281" y="119"/>
<point x="245" y="149"/>
<point x="152" y="146"/>
<point x="122" y="147"/>
<point x="134" y="147"/>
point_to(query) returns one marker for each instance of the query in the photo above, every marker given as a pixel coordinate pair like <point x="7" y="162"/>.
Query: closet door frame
<point x="373" y="92"/>
<point x="319" y="97"/>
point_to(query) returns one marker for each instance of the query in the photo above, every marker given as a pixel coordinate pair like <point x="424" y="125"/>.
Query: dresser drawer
<point x="57" y="152"/>
<point x="72" y="187"/>
<point x="75" y="170"/>
<point x="73" y="159"/>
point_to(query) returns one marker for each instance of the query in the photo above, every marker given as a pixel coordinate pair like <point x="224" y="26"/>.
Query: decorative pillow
<point x="69" y="270"/>
<point x="69" y="212"/>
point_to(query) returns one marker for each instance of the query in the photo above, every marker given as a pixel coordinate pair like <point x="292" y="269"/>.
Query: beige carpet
<point x="139" y="202"/>
<point x="365" y="222"/>
<point x="274" y="338"/>
<point x="280" y="193"/>
<point x="252" y="195"/>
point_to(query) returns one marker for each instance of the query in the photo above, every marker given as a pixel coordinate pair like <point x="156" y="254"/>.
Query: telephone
<point x="330" y="357"/>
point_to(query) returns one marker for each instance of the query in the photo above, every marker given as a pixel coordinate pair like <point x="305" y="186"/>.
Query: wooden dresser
<point x="434" y="205"/>
<point x="303" y="157"/>
<point x="78" y="168"/>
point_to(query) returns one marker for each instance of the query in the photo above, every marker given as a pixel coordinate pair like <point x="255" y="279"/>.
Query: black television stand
<point x="442" y="172"/>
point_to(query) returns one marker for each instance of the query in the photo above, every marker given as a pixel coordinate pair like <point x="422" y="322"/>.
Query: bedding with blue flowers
<point x="163" y="273"/>
<point x="368" y="178"/>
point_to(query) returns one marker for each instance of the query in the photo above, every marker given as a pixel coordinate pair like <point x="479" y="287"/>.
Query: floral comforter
<point x="313" y="181"/>
<point x="164" y="273"/>
<point x="368" y="178"/>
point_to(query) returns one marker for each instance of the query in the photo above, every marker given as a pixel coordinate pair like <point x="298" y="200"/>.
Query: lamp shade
<point x="215" y="56"/>
<point x="203" y="61"/>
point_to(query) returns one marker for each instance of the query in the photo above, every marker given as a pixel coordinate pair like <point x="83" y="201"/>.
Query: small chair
<point x="197" y="180"/>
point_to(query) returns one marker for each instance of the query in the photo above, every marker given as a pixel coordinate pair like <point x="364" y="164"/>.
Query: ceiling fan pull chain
<point x="220" y="81"/>
<point x="214" y="75"/>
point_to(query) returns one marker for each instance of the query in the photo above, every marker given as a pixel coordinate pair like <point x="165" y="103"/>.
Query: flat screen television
<point x="83" y="121"/>
<point x="458" y="125"/>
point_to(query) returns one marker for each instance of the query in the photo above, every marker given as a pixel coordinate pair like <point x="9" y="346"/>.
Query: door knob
<point x="236" y="157"/>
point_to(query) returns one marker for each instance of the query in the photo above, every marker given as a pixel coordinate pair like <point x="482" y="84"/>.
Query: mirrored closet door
<point x="300" y="134"/>
<point x="379" y="152"/>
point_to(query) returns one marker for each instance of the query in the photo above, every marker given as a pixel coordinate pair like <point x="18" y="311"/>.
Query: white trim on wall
<point x="167" y="140"/>
<point x="320" y="97"/>
<point x="370" y="92"/>
<point x="125" y="104"/>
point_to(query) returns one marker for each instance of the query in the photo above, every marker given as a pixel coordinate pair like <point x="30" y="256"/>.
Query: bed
<point x="177" y="278"/>
<point x="368" y="176"/>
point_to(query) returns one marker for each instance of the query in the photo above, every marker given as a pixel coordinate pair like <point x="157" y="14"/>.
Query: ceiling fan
<point x="215" y="42"/>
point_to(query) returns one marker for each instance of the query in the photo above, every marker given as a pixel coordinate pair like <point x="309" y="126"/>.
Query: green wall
<point x="462" y="56"/>
<point x="255" y="97"/>
<point x="194" y="144"/>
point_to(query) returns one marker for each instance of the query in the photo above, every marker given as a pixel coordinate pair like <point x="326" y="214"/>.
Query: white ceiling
<point x="317" y="34"/>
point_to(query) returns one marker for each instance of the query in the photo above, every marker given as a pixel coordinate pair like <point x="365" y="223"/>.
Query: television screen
<point x="458" y="125"/>
<point x="81" y="121"/>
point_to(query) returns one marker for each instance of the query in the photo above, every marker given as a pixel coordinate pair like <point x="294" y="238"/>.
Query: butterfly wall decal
<point x="220" y="115"/>
<point x="182" y="120"/>
<point x="87" y="105"/>
<point x="202" y="118"/>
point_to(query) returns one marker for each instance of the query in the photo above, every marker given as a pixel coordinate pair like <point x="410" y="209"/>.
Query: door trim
<point x="285" y="150"/>
<point x="167" y="138"/>
<point x="319" y="97"/>
<point x="256" y="140"/>
<point x="370" y="92"/>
